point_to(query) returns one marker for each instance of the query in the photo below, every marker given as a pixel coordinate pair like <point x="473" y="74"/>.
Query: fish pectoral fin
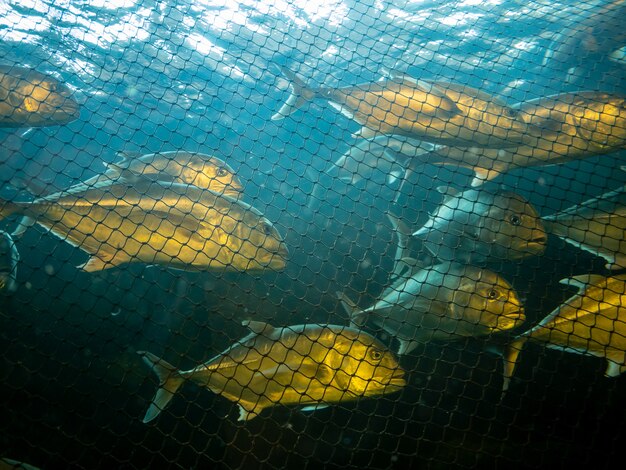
<point x="615" y="365"/>
<point x="96" y="263"/>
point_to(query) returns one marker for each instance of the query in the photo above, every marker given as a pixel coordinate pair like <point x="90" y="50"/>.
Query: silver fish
<point x="591" y="322"/>
<point x="591" y="39"/>
<point x="9" y="257"/>
<point x="434" y="111"/>
<point x="304" y="365"/>
<point x="444" y="302"/>
<point x="598" y="226"/>
<point x="32" y="99"/>
<point x="476" y="226"/>
<point x="176" y="225"/>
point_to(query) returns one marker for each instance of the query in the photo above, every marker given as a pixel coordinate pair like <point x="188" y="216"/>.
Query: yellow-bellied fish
<point x="591" y="322"/>
<point x="598" y="226"/>
<point x="175" y="225"/>
<point x="32" y="99"/>
<point x="443" y="302"/>
<point x="197" y="169"/>
<point x="304" y="365"/>
<point x="567" y="126"/>
<point x="477" y="225"/>
<point x="435" y="111"/>
<point x="9" y="257"/>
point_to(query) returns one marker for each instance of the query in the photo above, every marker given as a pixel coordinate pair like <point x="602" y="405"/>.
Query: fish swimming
<point x="9" y="257"/>
<point x="175" y="225"/>
<point x="598" y="226"/>
<point x="478" y="226"/>
<point x="572" y="126"/>
<point x="592" y="322"/>
<point x="444" y="302"/>
<point x="32" y="99"/>
<point x="434" y="111"/>
<point x="197" y="169"/>
<point x="591" y="40"/>
<point x="305" y="365"/>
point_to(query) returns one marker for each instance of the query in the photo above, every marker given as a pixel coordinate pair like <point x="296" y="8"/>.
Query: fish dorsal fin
<point x="448" y="192"/>
<point x="259" y="327"/>
<point x="582" y="281"/>
<point x="406" y="346"/>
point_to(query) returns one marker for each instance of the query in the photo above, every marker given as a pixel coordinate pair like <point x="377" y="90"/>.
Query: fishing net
<point x="116" y="225"/>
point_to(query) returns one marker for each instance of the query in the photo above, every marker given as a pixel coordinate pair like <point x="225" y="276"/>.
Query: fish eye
<point x="492" y="294"/>
<point x="515" y="220"/>
<point x="221" y="172"/>
<point x="375" y="354"/>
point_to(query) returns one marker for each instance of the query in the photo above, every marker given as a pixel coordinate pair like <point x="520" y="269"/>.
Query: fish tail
<point x="8" y="208"/>
<point x="510" y="361"/>
<point x="170" y="381"/>
<point x="300" y="95"/>
<point x="357" y="317"/>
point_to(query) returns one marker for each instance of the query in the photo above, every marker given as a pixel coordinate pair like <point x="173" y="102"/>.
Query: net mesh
<point x="227" y="242"/>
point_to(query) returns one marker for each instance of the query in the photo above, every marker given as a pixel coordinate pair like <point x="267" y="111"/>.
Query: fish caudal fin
<point x="357" y="316"/>
<point x="7" y="208"/>
<point x="170" y="381"/>
<point x="300" y="95"/>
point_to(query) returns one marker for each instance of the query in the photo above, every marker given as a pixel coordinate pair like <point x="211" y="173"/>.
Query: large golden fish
<point x="591" y="322"/>
<point x="32" y="99"/>
<point x="434" y="111"/>
<point x="175" y="225"/>
<point x="598" y="226"/>
<point x="305" y="365"/>
<point x="572" y="126"/>
<point x="443" y="302"/>
<point x="198" y="169"/>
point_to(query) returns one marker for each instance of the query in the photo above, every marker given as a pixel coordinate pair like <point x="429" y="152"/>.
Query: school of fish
<point x="186" y="211"/>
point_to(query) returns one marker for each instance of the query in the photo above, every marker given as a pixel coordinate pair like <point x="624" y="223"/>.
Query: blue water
<point x="205" y="76"/>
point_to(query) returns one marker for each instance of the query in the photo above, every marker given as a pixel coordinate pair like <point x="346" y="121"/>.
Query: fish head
<point x="255" y="242"/>
<point x="485" y="303"/>
<point x="506" y="125"/>
<point x="363" y="365"/>
<point x="208" y="172"/>
<point x="512" y="228"/>
<point x="45" y="101"/>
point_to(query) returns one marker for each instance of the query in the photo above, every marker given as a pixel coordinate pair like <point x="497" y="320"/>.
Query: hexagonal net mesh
<point x="339" y="234"/>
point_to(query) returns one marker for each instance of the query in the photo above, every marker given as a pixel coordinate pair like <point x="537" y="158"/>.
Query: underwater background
<point x="205" y="76"/>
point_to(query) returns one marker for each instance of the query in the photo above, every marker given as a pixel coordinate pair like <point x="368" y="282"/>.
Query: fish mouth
<point x="396" y="381"/>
